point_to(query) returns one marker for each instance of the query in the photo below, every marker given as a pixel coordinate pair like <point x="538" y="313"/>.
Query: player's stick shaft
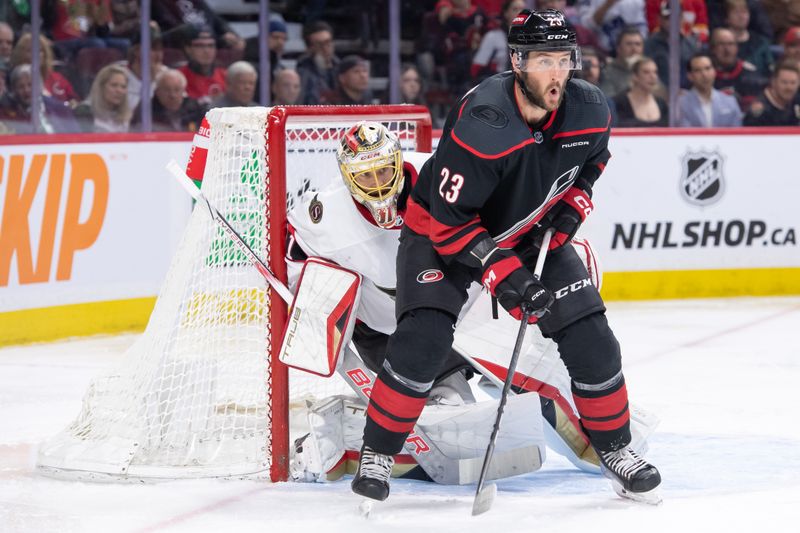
<point x="483" y="497"/>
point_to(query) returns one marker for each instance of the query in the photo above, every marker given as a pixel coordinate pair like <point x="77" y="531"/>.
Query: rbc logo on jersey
<point x="431" y="275"/>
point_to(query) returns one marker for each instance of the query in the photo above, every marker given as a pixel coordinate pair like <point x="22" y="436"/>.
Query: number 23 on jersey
<point x="450" y="186"/>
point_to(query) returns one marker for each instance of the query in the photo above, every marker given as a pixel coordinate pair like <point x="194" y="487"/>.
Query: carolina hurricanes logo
<point x="431" y="275"/>
<point x="519" y="19"/>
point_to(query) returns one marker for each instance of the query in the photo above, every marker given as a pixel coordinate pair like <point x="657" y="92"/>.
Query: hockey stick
<point x="484" y="497"/>
<point x="197" y="194"/>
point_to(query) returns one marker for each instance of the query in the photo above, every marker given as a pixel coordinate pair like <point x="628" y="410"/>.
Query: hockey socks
<point x="392" y="413"/>
<point x="604" y="412"/>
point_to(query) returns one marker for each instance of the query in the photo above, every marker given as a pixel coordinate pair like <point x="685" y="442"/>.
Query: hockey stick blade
<point x="484" y="499"/>
<point x="256" y="261"/>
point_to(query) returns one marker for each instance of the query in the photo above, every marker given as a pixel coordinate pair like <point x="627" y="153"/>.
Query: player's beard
<point x="535" y="95"/>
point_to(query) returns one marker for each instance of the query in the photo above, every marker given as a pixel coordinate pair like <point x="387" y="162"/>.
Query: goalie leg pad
<point x="416" y="352"/>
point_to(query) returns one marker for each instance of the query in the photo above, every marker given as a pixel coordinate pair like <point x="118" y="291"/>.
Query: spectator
<point x="55" y="84"/>
<point x="276" y="43"/>
<point x="76" y="24"/>
<point x="125" y="18"/>
<point x="173" y="18"/>
<point x="759" y="21"/>
<point x="492" y="54"/>
<point x="107" y="109"/>
<point x="753" y="48"/>
<point x="133" y="66"/>
<point x="205" y="82"/>
<point x="616" y="75"/>
<point x="694" y="18"/>
<point x="240" y="82"/>
<point x="778" y="104"/>
<point x="609" y="17"/>
<point x="462" y="25"/>
<point x="640" y="107"/>
<point x="172" y="109"/>
<point x="590" y="70"/>
<point x="411" y="85"/>
<point x="703" y="106"/>
<point x="791" y="44"/>
<point x="783" y="14"/>
<point x="15" y="107"/>
<point x="734" y="76"/>
<point x="3" y="77"/>
<point x="656" y="47"/>
<point x="317" y="67"/>
<point x="286" y="87"/>
<point x="352" y="82"/>
<point x="584" y="35"/>
<point x="6" y="42"/>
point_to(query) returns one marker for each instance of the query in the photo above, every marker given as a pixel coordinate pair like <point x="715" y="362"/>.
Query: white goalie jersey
<point x="329" y="224"/>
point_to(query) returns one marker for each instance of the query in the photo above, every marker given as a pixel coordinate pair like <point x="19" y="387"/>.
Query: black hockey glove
<point x="568" y="215"/>
<point x="506" y="278"/>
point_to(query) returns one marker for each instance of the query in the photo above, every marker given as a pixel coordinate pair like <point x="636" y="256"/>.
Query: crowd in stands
<point x="739" y="59"/>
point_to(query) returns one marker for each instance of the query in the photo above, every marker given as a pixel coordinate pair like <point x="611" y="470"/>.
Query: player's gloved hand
<point x="568" y="215"/>
<point x="515" y="287"/>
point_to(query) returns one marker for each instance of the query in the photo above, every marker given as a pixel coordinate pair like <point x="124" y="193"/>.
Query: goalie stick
<point x="437" y="465"/>
<point x="484" y="497"/>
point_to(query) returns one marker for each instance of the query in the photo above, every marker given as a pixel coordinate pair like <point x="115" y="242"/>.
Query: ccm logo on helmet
<point x="431" y="275"/>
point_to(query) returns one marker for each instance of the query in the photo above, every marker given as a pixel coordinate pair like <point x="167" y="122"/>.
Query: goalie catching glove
<point x="507" y="279"/>
<point x="569" y="213"/>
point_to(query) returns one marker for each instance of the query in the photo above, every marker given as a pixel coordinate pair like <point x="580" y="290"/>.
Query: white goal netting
<point x="197" y="395"/>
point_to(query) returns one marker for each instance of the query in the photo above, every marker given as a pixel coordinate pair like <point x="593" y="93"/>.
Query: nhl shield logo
<point x="702" y="181"/>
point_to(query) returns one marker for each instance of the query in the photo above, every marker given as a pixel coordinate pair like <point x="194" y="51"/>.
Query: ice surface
<point x="721" y="374"/>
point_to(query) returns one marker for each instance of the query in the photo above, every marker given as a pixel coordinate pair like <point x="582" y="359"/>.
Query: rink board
<point x="89" y="228"/>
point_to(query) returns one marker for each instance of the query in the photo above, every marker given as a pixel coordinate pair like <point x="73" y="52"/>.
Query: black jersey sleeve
<point x="460" y="185"/>
<point x="595" y="163"/>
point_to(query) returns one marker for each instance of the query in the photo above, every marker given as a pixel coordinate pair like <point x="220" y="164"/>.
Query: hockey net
<point x="200" y="394"/>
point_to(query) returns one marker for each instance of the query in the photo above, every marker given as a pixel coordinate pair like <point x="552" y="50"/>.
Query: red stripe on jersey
<point x="550" y="120"/>
<point x="387" y="423"/>
<point x="397" y="404"/>
<point x="459" y="244"/>
<point x="604" y="406"/>
<point x="417" y="218"/>
<point x="504" y="153"/>
<point x="582" y="132"/>
<point x="607" y="425"/>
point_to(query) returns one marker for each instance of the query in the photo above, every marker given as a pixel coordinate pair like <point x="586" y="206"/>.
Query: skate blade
<point x="651" y="497"/>
<point x="484" y="499"/>
<point x="365" y="507"/>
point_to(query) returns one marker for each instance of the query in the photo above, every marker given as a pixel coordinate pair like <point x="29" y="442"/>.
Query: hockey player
<point x="355" y="223"/>
<point x="519" y="153"/>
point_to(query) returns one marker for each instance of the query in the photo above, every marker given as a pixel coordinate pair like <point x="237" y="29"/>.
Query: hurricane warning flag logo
<point x="702" y="180"/>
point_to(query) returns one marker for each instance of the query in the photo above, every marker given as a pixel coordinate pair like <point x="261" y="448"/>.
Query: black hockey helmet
<point x="544" y="30"/>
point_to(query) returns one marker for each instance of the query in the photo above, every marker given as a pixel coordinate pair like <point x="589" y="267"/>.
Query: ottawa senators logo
<point x="315" y="210"/>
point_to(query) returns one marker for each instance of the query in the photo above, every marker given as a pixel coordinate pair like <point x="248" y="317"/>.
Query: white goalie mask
<point x="371" y="164"/>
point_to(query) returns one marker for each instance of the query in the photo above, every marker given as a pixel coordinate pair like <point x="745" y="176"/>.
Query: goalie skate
<point x="631" y="476"/>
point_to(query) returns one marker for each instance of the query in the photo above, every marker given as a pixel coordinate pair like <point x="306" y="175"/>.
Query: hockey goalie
<point x="353" y="224"/>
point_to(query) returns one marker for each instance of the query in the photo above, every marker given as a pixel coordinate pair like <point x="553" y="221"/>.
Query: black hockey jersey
<point x="492" y="175"/>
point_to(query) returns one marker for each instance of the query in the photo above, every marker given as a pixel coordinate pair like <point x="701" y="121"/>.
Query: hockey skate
<point x="372" y="477"/>
<point x="631" y="476"/>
